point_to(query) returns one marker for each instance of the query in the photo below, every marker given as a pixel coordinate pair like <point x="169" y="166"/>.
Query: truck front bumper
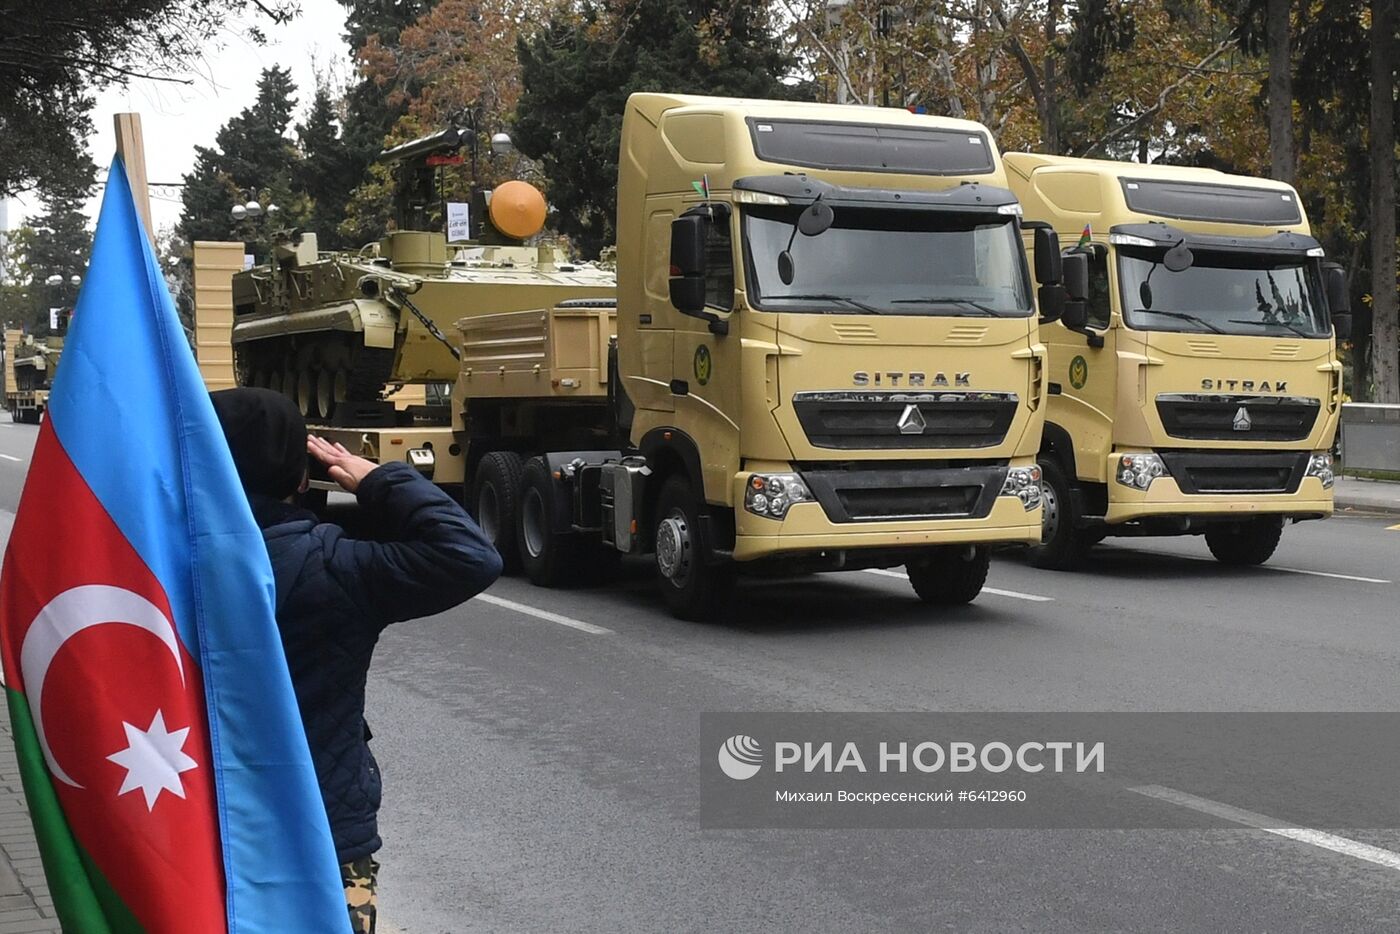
<point x="1172" y="494"/>
<point x="825" y="525"/>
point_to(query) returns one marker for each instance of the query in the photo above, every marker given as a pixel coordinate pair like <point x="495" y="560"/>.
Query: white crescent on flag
<point x="64" y="617"/>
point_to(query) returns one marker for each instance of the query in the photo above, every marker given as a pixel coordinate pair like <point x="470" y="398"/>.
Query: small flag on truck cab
<point x="1085" y="236"/>
<point x="158" y="737"/>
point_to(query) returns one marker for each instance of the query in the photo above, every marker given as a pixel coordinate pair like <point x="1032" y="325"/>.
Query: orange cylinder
<point x="517" y="209"/>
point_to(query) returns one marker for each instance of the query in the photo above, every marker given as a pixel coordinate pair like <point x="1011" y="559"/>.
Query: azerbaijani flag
<point x="1085" y="236"/>
<point x="164" y="761"/>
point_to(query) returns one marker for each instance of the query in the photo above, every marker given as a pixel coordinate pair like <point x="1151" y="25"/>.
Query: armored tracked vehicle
<point x="332" y="328"/>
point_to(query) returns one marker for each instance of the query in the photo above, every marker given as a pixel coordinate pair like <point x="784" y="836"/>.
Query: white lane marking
<point x="11" y="457"/>
<point x="1014" y="594"/>
<point x="1344" y="577"/>
<point x="1262" y="567"/>
<point x="1318" y="838"/>
<point x="569" y="621"/>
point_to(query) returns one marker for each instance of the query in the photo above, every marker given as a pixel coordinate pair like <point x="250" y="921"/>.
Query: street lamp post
<point x="246" y="214"/>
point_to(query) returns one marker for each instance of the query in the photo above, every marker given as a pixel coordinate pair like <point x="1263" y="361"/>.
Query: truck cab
<point x="827" y="343"/>
<point x="1201" y="393"/>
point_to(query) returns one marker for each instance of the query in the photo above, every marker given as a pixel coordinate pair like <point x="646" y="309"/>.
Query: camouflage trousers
<point x="359" y="879"/>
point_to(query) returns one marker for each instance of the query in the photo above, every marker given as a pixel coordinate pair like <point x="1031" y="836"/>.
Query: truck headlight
<point x="770" y="495"/>
<point x="1320" y="466"/>
<point x="1024" y="484"/>
<point x="1139" y="470"/>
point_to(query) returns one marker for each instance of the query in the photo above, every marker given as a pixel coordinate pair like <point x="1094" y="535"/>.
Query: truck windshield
<point x="882" y="261"/>
<point x="1224" y="292"/>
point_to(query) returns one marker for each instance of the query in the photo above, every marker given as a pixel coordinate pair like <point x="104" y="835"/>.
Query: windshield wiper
<point x="959" y="302"/>
<point x="1184" y="316"/>
<point x="1282" y="324"/>
<point x="829" y="297"/>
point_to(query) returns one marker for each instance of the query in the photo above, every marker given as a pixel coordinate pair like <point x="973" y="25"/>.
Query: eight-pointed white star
<point x="154" y="759"/>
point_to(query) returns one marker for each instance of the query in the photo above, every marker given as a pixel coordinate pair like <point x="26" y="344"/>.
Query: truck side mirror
<point x="687" y="284"/>
<point x="688" y="268"/>
<point x="1048" y="269"/>
<point x="688" y="246"/>
<point x="1075" y="269"/>
<point x="1338" y="300"/>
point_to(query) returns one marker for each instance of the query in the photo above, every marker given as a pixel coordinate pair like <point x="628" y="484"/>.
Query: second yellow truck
<point x="1202" y="395"/>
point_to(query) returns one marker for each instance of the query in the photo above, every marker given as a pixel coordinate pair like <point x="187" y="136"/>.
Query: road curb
<point x="1377" y="497"/>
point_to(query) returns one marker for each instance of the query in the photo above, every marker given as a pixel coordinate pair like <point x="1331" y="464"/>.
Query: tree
<point x="326" y="172"/>
<point x="251" y="151"/>
<point x="369" y="113"/>
<point x="55" y="54"/>
<point x="577" y="71"/>
<point x="54" y="244"/>
<point x="1385" y="330"/>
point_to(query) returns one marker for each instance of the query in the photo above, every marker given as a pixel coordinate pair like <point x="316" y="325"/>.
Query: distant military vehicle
<point x="30" y="365"/>
<point x="334" y="328"/>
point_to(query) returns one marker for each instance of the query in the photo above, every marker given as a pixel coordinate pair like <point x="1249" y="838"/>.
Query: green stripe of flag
<point x="82" y="897"/>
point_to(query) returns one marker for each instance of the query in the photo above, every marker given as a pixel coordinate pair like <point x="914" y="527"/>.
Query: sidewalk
<point x="25" y="905"/>
<point x="1373" y="496"/>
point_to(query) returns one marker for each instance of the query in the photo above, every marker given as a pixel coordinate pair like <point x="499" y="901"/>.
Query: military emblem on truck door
<point x="1078" y="372"/>
<point x="703" y="364"/>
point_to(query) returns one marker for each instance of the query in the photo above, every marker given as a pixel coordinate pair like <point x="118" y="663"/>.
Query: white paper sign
<point x="53" y="318"/>
<point x="458" y="227"/>
<point x="247" y="261"/>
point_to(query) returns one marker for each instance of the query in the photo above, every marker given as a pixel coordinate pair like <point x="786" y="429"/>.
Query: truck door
<point x="1087" y="376"/>
<point x="706" y="374"/>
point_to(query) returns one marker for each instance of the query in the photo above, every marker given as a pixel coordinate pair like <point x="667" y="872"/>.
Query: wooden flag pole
<point x="133" y="153"/>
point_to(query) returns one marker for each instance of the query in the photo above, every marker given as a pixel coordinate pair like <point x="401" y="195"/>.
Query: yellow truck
<point x="1201" y="394"/>
<point x="827" y="357"/>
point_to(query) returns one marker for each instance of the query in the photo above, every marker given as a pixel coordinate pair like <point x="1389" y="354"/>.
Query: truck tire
<point x="692" y="588"/>
<point x="550" y="557"/>
<point x="495" y="502"/>
<point x="1063" y="545"/>
<point x="950" y="576"/>
<point x="1245" y="543"/>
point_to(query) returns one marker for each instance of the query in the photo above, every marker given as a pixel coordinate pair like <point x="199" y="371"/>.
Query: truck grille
<point x="890" y="492"/>
<point x="1219" y="417"/>
<point x="1236" y="471"/>
<point x="905" y="420"/>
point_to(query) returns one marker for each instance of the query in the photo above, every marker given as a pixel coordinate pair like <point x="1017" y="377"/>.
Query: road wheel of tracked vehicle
<point x="950" y="576"/>
<point x="550" y="555"/>
<point x="1245" y="543"/>
<point x="325" y="392"/>
<point x="1063" y="544"/>
<point x="692" y="588"/>
<point x="495" y="501"/>
<point x="306" y="392"/>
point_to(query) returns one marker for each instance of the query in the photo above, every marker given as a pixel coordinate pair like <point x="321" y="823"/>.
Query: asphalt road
<point x="542" y="776"/>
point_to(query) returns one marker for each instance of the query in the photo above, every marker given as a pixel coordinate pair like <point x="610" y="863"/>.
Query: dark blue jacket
<point x="335" y="595"/>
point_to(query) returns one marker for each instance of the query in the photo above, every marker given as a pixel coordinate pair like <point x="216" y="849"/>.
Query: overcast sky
<point x="176" y="118"/>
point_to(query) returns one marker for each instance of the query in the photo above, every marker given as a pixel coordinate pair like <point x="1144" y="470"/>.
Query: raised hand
<point x="343" y="467"/>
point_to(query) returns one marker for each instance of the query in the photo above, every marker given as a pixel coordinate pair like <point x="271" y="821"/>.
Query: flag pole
<point x="133" y="152"/>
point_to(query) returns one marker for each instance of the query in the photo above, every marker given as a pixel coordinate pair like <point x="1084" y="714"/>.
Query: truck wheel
<point x="1062" y="543"/>
<point x="950" y="576"/>
<point x="495" y="502"/>
<point x="692" y="588"/>
<point x="1246" y="543"/>
<point x="551" y="558"/>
